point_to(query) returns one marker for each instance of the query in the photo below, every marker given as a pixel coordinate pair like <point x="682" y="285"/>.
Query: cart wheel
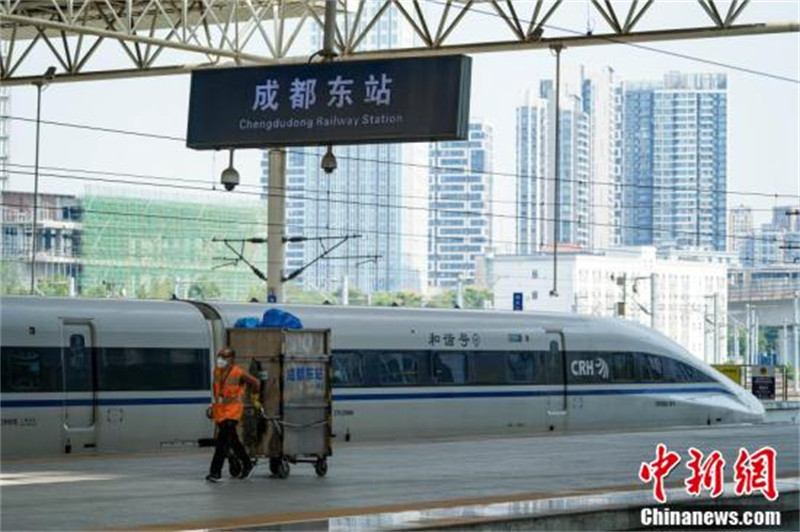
<point x="234" y="466"/>
<point x="321" y="467"/>
<point x="283" y="468"/>
<point x="274" y="466"/>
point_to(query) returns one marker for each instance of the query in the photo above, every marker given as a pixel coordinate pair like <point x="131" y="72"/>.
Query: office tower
<point x="460" y="221"/>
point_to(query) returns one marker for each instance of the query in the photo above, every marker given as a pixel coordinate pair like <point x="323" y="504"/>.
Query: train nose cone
<point x="755" y="408"/>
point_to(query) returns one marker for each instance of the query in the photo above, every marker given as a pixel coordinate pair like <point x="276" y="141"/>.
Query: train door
<point x="79" y="385"/>
<point x="556" y="364"/>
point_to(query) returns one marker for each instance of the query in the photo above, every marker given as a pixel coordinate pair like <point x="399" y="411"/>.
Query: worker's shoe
<point x="213" y="478"/>
<point x="247" y="471"/>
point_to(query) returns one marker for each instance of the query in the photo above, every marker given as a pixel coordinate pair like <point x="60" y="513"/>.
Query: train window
<point x="348" y="369"/>
<point x="650" y="368"/>
<point x="677" y="371"/>
<point x="135" y="368"/>
<point x="450" y="367"/>
<point x="78" y="367"/>
<point x="403" y="368"/>
<point x="488" y="368"/>
<point x="30" y="369"/>
<point x="623" y="368"/>
<point x="188" y="369"/>
<point x="521" y="367"/>
<point x="390" y="370"/>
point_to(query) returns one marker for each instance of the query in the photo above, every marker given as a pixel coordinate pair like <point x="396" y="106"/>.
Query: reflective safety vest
<point x="228" y="394"/>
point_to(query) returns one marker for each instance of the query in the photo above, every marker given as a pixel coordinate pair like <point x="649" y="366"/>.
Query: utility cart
<point x="290" y="421"/>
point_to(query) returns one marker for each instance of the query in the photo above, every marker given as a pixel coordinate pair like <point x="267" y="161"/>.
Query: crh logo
<point x="590" y="368"/>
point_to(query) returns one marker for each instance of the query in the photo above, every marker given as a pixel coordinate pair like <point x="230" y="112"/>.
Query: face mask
<point x="221" y="362"/>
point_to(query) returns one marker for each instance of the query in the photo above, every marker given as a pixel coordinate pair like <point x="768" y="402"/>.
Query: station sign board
<point x="763" y="382"/>
<point x="517" y="300"/>
<point x="396" y="100"/>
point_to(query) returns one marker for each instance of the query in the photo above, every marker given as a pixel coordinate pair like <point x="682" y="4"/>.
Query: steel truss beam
<point x="159" y="37"/>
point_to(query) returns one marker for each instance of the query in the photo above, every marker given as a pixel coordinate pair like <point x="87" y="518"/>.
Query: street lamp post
<point x="40" y="84"/>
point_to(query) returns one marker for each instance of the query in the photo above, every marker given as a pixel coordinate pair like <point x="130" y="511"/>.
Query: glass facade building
<point x="460" y="206"/>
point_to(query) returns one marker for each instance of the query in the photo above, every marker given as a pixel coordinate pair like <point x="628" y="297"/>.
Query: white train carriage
<point x="79" y="374"/>
<point x="115" y="375"/>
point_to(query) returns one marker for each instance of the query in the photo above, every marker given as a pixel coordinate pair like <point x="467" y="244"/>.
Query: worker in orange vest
<point x="227" y="410"/>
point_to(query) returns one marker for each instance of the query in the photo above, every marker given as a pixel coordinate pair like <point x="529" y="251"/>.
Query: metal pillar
<point x="796" y="330"/>
<point x="34" y="241"/>
<point x="716" y="328"/>
<point x="276" y="219"/>
<point x="756" y="354"/>
<point x="736" y="330"/>
<point x="557" y="183"/>
<point x="653" y="293"/>
<point x="748" y="330"/>
<point x="330" y="28"/>
<point x="784" y="359"/>
<point x="345" y="290"/>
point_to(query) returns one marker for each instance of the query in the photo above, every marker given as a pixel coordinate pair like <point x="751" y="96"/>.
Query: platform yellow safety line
<point x="284" y="518"/>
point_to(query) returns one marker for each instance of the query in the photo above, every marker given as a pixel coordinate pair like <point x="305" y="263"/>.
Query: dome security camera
<point x="230" y="178"/>
<point x="329" y="161"/>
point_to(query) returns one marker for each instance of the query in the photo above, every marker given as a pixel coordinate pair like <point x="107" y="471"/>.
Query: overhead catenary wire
<point x="463" y="212"/>
<point x="290" y="189"/>
<point x="491" y="173"/>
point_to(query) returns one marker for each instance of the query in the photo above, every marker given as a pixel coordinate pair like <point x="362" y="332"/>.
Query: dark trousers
<point x="227" y="439"/>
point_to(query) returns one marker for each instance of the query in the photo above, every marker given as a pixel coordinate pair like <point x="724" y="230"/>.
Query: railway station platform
<point x="429" y="485"/>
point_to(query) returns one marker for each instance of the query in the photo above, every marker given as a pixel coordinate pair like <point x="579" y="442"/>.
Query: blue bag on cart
<point x="280" y="319"/>
<point x="247" y="323"/>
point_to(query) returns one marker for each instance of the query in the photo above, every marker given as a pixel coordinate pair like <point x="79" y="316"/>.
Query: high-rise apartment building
<point x="532" y="124"/>
<point x="460" y="206"/>
<point x="602" y="101"/>
<point x="589" y="164"/>
<point x="675" y="162"/>
<point x="378" y="193"/>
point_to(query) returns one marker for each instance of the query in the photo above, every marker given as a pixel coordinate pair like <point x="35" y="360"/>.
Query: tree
<point x="102" y="290"/>
<point x="475" y="297"/>
<point x="10" y="280"/>
<point x="257" y="292"/>
<point x="56" y="287"/>
<point x="444" y="299"/>
<point x="355" y="296"/>
<point x="203" y="289"/>
<point x="163" y="288"/>
<point x="294" y="293"/>
<point x="403" y="298"/>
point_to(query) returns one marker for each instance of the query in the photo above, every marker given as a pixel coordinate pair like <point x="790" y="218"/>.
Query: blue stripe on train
<point x="520" y="393"/>
<point x="33" y="403"/>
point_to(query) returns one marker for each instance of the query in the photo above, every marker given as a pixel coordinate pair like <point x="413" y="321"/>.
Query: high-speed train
<point x="107" y="375"/>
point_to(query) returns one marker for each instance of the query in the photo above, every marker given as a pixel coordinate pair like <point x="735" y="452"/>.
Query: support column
<point x="785" y="359"/>
<point x="748" y="331"/>
<point x="276" y="219"/>
<point x="796" y="330"/>
<point x="716" y="328"/>
<point x="557" y="183"/>
<point x="653" y="295"/>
